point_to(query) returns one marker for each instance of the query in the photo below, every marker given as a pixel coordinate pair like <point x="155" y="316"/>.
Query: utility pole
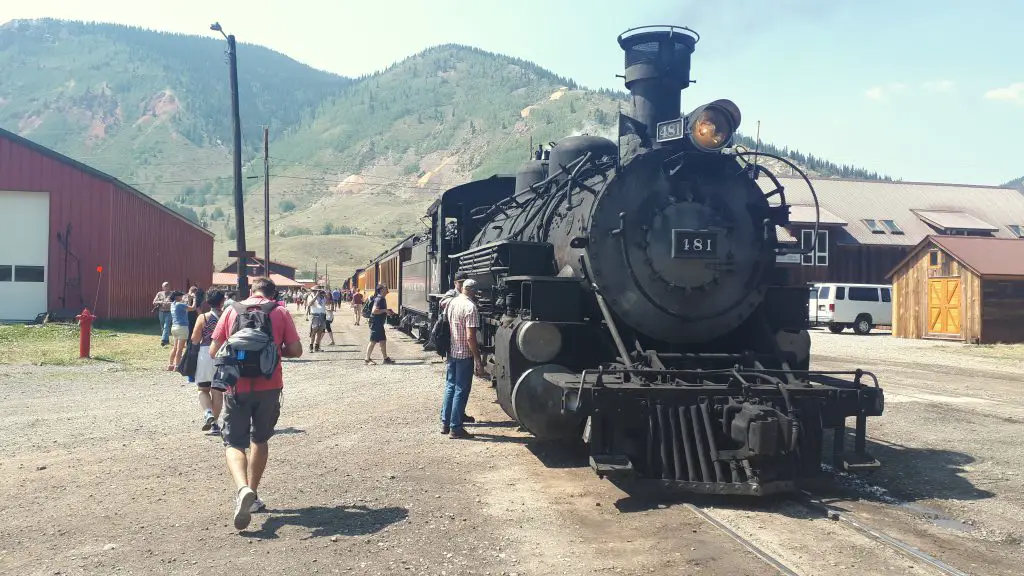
<point x="243" y="271"/>
<point x="266" y="201"/>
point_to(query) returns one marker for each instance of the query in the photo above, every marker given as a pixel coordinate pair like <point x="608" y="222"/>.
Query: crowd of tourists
<point x="232" y="352"/>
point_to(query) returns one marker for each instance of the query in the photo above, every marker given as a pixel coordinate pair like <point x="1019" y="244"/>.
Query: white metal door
<point x="24" y="250"/>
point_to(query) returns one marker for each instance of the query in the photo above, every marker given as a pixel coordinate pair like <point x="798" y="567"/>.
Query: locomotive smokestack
<point x="657" y="71"/>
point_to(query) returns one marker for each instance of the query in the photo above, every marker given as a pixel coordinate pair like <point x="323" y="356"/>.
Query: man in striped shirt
<point x="463" y="360"/>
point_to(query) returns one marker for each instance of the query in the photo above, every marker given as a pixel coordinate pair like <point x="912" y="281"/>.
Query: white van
<point x="857" y="306"/>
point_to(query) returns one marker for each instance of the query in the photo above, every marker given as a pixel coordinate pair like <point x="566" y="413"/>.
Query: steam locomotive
<point x="630" y="297"/>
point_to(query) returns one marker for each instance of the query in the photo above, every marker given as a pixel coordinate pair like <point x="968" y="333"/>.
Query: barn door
<point x="944" y="305"/>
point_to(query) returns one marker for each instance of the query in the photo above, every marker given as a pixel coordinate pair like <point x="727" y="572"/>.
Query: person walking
<point x="211" y="398"/>
<point x="179" y="328"/>
<point x="252" y="406"/>
<point x="377" y="319"/>
<point x="328" y="318"/>
<point x="462" y="362"/>
<point x="357" y="307"/>
<point x="318" y="324"/>
<point x="162" y="304"/>
<point x="195" y="306"/>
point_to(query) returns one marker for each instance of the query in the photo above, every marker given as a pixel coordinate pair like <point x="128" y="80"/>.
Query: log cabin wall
<point x="1002" y="310"/>
<point x="910" y="296"/>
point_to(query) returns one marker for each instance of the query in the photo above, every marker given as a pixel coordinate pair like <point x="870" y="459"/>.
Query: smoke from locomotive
<point x="630" y="296"/>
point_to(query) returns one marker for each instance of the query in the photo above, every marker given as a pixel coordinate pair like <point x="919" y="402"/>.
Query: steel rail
<point x="808" y="501"/>
<point x="906" y="549"/>
<point x="768" y="558"/>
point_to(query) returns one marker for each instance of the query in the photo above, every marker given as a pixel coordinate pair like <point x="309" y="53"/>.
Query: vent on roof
<point x="873" y="226"/>
<point x="1017" y="230"/>
<point x="892" y="227"/>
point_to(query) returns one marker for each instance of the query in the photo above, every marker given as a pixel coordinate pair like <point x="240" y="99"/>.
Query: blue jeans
<point x="165" y="325"/>
<point x="458" y="383"/>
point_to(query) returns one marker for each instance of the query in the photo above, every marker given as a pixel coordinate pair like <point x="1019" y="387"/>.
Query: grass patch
<point x="133" y="343"/>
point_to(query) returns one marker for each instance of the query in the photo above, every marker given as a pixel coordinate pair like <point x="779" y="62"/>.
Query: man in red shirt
<point x="253" y="402"/>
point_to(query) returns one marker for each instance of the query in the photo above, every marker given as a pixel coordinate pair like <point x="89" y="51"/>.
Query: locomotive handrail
<point x="814" y="193"/>
<point x="534" y="188"/>
<point x="763" y="372"/>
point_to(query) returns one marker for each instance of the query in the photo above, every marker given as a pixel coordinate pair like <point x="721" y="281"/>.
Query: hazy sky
<point x="897" y="86"/>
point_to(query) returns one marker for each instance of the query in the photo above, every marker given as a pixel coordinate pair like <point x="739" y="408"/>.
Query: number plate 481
<point x="694" y="244"/>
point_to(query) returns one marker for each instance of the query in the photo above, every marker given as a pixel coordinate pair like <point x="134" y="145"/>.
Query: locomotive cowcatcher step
<point x="610" y="464"/>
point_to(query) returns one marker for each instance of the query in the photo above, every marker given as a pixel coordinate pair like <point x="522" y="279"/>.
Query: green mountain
<point x="145" y="105"/>
<point x="353" y="162"/>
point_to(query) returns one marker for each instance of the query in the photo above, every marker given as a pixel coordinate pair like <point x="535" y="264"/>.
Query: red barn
<point x="60" y="221"/>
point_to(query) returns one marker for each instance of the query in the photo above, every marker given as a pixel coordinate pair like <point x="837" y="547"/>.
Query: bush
<point x="286" y="205"/>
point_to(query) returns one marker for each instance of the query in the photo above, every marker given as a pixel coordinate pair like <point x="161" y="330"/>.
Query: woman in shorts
<point x="179" y="329"/>
<point x="328" y="318"/>
<point x="211" y="398"/>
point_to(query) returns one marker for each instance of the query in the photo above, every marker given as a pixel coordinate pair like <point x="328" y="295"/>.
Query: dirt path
<point x="104" y="470"/>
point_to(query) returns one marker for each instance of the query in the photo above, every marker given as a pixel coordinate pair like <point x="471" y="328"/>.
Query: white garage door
<point x="24" y="248"/>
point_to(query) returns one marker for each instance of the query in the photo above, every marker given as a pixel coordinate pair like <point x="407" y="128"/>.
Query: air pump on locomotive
<point x="630" y="297"/>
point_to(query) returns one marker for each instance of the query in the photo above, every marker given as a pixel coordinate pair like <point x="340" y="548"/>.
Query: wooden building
<point x="961" y="288"/>
<point x="255" y="266"/>
<point x="229" y="281"/>
<point x="73" y="237"/>
<point x="867" y="227"/>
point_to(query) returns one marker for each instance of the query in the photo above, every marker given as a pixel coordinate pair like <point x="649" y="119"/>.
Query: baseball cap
<point x="461" y="276"/>
<point x="469" y="284"/>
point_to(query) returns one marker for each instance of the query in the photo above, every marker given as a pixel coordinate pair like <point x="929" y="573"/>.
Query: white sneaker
<point x="209" y="420"/>
<point x="257" y="506"/>
<point x="243" y="504"/>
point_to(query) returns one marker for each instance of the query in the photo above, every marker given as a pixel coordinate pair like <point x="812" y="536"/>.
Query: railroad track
<point x="847" y="520"/>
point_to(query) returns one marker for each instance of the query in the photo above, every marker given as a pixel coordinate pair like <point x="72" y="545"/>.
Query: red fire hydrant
<point x="84" y="332"/>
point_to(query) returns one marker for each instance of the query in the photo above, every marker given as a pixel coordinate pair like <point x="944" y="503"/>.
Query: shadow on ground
<point x="912" y="474"/>
<point x="327" y="521"/>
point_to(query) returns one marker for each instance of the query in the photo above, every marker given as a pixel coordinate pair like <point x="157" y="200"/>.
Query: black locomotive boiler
<point x="630" y="297"/>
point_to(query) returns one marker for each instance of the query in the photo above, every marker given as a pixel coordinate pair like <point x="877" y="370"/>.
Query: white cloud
<point x="880" y="92"/>
<point x="1012" y="93"/>
<point x="940" y="86"/>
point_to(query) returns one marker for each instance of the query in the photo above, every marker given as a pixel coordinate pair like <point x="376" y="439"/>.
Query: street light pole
<point x="243" y="271"/>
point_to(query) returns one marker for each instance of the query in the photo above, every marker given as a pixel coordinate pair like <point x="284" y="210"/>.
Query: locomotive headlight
<point x="712" y="126"/>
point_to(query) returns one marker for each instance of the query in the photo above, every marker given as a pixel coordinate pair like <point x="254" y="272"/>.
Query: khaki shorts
<point x="179" y="332"/>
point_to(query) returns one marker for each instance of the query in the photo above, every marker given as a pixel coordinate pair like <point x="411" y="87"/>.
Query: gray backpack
<point x="250" y="349"/>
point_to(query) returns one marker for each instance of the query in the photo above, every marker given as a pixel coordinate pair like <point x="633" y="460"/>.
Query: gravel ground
<point x="952" y="476"/>
<point x="103" y="470"/>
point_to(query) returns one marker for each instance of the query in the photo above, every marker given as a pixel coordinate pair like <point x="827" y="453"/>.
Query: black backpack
<point x="368" y="307"/>
<point x="252" y="323"/>
<point x="441" y="335"/>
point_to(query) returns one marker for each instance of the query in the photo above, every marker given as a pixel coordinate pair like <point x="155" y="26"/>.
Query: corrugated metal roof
<point x="856" y="200"/>
<point x="784" y="235"/>
<point x="986" y="256"/>
<point x="228" y="279"/>
<point x="800" y="214"/>
<point x="954" y="221"/>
